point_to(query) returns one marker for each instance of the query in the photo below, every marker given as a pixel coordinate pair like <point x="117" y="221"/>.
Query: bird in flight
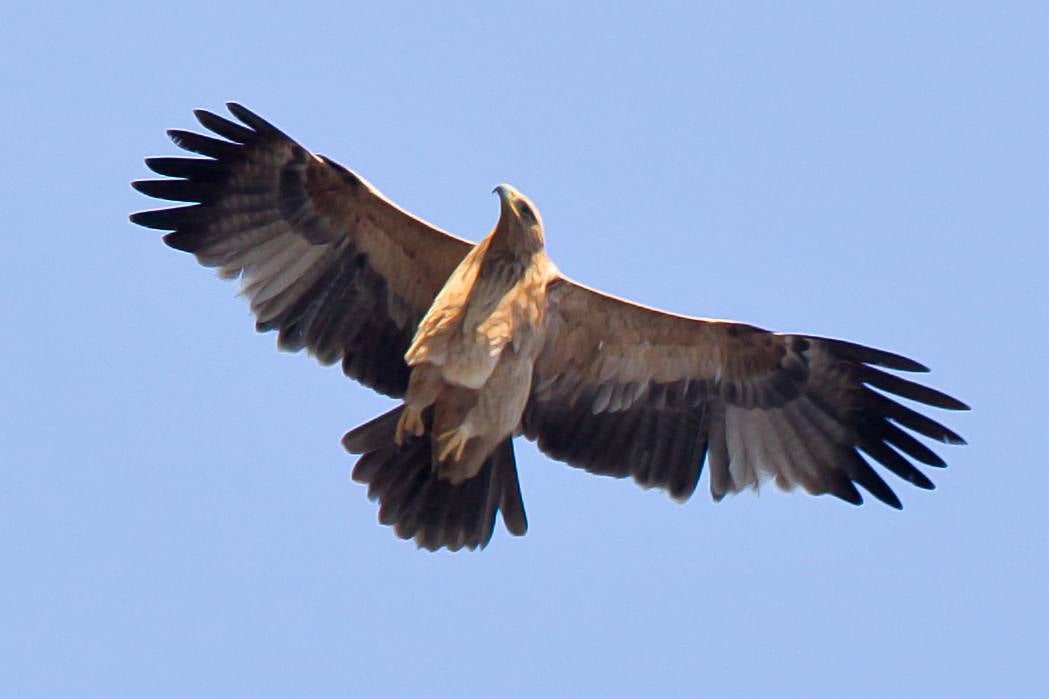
<point x="483" y="342"/>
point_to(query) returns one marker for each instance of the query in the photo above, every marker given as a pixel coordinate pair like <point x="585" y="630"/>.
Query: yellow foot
<point x="452" y="441"/>
<point x="410" y="422"/>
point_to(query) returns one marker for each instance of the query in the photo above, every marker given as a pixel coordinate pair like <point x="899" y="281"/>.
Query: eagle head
<point x="519" y="221"/>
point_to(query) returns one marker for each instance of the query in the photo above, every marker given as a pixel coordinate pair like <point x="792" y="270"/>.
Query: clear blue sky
<point x="177" y="514"/>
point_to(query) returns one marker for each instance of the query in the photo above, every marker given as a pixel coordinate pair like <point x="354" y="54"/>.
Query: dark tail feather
<point x="423" y="507"/>
<point x="377" y="432"/>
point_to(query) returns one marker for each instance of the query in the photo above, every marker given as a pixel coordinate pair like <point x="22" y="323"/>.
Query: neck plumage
<point x="509" y="239"/>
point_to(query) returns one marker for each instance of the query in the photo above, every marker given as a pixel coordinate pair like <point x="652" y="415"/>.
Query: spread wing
<point x="323" y="257"/>
<point x="620" y="389"/>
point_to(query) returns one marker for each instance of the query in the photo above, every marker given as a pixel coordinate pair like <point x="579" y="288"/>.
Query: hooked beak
<point x="504" y="191"/>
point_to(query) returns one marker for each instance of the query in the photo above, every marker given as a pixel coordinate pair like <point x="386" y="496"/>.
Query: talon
<point x="452" y="440"/>
<point x="410" y="422"/>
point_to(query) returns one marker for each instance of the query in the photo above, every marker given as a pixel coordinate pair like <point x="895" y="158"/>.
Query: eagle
<point x="485" y="342"/>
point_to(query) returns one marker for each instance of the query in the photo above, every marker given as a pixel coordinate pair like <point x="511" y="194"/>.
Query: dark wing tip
<point x="174" y="189"/>
<point x="224" y="127"/>
<point x="204" y="145"/>
<point x="947" y="436"/>
<point x="870" y="355"/>
<point x="908" y="389"/>
<point x="881" y="490"/>
<point x="919" y="480"/>
<point x="843" y="489"/>
<point x="157" y="219"/>
<point x="253" y="120"/>
<point x="179" y="242"/>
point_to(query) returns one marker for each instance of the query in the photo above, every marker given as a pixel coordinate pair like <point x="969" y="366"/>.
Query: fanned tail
<point x="422" y="506"/>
